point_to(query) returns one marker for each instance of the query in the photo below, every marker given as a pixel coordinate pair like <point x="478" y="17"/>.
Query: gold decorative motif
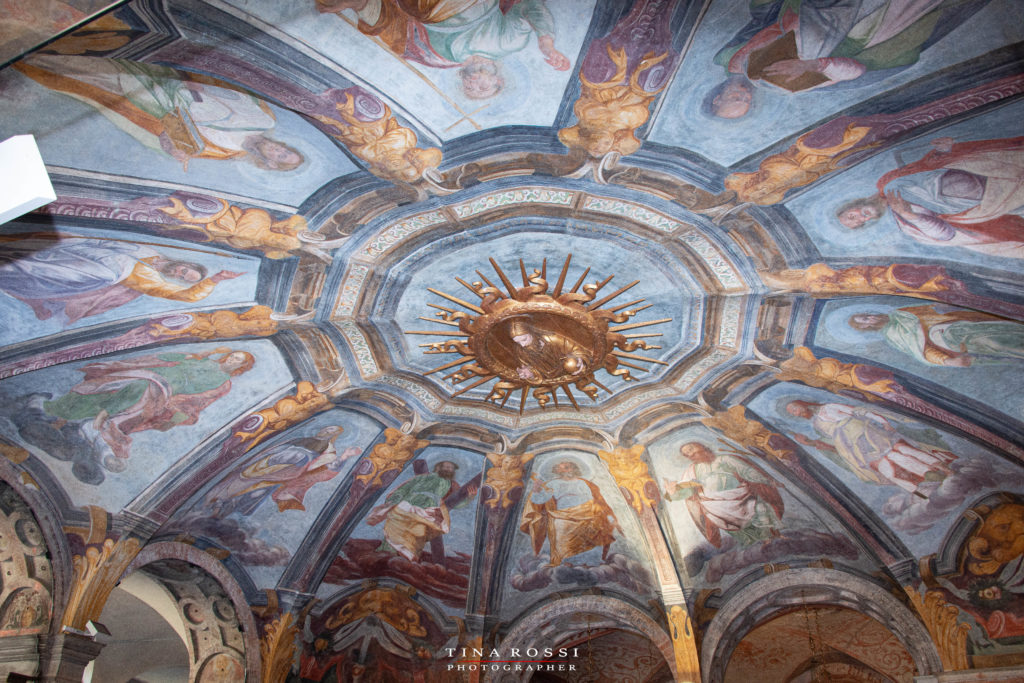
<point x="95" y="575"/>
<point x="829" y="373"/>
<point x="277" y="648"/>
<point x="285" y="413"/>
<point x="244" y="228"/>
<point x="398" y="448"/>
<point x="610" y="112"/>
<point x="860" y="280"/>
<point x="255" y="322"/>
<point x="735" y="424"/>
<point x="505" y="476"/>
<point x="941" y="620"/>
<point x="799" y="165"/>
<point x="684" y="643"/>
<point x="526" y="339"/>
<point x="394" y="606"/>
<point x="386" y="146"/>
<point x="630" y="471"/>
<point x="997" y="541"/>
<point x="15" y="454"/>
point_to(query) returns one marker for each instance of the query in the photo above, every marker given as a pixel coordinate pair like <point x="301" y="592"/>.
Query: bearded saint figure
<point x="418" y="511"/>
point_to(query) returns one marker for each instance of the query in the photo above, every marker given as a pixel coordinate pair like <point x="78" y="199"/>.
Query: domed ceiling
<point x="552" y="323"/>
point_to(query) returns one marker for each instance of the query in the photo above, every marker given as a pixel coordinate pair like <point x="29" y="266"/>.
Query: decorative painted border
<point x="722" y="269"/>
<point x="432" y="402"/>
<point x="351" y="286"/>
<point x="504" y="419"/>
<point x="599" y="417"/>
<point x="728" y="330"/>
<point x="394" y="234"/>
<point x="694" y="372"/>
<point x="620" y="409"/>
<point x="635" y="212"/>
<point x="360" y="348"/>
<point x="525" y="195"/>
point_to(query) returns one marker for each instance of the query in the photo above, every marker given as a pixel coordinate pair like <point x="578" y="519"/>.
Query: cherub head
<point x="481" y="78"/>
<point x="236" y="362"/>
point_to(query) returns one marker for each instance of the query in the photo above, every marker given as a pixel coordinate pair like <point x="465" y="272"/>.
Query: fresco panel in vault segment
<point x="421" y="531"/>
<point x="455" y="69"/>
<point x="758" y="113"/>
<point x="918" y="478"/>
<point x="575" y="531"/>
<point x="51" y="282"/>
<point x="970" y="352"/>
<point x="255" y="507"/>
<point x="954" y="195"/>
<point x="731" y="511"/>
<point x="109" y="428"/>
<point x="158" y="123"/>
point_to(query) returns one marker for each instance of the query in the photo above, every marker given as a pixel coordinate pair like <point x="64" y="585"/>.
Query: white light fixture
<point x="24" y="183"/>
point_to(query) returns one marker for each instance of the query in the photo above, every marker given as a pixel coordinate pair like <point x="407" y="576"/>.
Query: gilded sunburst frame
<point x="529" y="340"/>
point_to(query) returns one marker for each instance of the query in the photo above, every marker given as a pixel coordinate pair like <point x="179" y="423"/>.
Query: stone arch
<point x="48" y="518"/>
<point x="27" y="605"/>
<point x="762" y="599"/>
<point x="230" y="607"/>
<point x="536" y="629"/>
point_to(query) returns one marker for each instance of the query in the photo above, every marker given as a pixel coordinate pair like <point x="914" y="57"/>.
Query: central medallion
<point x="536" y="342"/>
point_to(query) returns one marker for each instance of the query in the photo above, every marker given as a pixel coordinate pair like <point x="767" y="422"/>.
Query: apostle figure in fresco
<point x="960" y="194"/>
<point x="76" y="278"/>
<point x="122" y="397"/>
<point x="570" y="513"/>
<point x="870" y="446"/>
<point x="471" y="34"/>
<point x="726" y="493"/>
<point x="284" y="474"/>
<point x="186" y="119"/>
<point x="543" y="354"/>
<point x="953" y="338"/>
<point x="807" y="44"/>
<point x="418" y="511"/>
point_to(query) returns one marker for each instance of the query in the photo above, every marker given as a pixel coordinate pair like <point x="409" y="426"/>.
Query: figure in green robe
<point x="162" y="391"/>
<point x="953" y="338"/>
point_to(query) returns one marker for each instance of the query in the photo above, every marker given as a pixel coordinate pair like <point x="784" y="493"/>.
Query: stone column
<point x="19" y="655"/>
<point x="65" y="655"/>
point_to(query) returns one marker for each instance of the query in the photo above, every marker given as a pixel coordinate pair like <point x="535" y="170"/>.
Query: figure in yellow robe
<point x="570" y="513"/>
<point x="70" y="279"/>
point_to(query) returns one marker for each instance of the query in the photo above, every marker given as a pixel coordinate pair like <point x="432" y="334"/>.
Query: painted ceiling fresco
<point x="456" y="323"/>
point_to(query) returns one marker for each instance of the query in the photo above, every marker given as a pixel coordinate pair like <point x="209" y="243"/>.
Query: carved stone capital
<point x="942" y="621"/>
<point x="684" y="643"/>
<point x="66" y="655"/>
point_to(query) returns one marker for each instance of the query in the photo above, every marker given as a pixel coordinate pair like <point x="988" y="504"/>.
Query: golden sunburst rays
<point x="532" y="341"/>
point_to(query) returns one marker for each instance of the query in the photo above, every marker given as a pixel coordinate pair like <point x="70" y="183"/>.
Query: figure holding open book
<point x="187" y="119"/>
